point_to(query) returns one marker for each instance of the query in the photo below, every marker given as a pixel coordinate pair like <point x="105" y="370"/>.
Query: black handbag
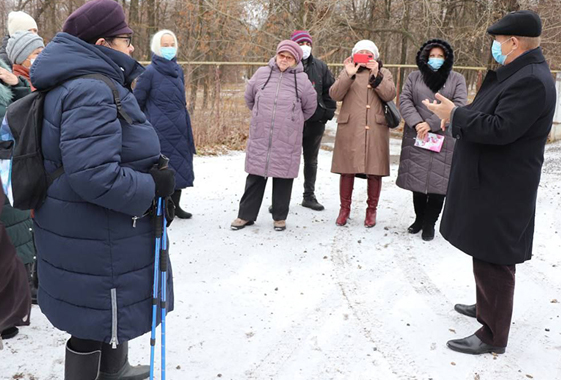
<point x="393" y="117"/>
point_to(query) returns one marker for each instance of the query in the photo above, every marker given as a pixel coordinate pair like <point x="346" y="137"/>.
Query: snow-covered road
<point x="319" y="302"/>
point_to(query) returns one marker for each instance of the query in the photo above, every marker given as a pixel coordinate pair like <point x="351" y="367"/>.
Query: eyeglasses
<point x="128" y="39"/>
<point x="288" y="58"/>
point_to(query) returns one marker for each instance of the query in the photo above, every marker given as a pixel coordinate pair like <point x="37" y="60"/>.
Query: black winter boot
<point x="179" y="212"/>
<point x="310" y="201"/>
<point x="419" y="204"/>
<point x="434" y="207"/>
<point x="115" y="364"/>
<point x="81" y="365"/>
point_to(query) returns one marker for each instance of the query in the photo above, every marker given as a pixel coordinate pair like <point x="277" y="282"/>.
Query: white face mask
<point x="307" y="51"/>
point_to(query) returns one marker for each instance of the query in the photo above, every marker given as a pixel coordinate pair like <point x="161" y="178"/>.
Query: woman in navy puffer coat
<point x="96" y="261"/>
<point x="160" y="92"/>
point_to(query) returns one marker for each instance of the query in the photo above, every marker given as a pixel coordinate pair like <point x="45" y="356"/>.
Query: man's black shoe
<point x="468" y="310"/>
<point x="9" y="333"/>
<point x="474" y="346"/>
<point x="312" y="202"/>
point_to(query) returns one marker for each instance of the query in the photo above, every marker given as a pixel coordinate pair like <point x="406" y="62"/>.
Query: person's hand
<point x="8" y="78"/>
<point x="443" y="109"/>
<point x="351" y="67"/>
<point x="164" y="179"/>
<point x="373" y="66"/>
<point x="422" y="130"/>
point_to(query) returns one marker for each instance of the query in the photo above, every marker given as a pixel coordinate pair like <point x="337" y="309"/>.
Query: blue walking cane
<point x="160" y="265"/>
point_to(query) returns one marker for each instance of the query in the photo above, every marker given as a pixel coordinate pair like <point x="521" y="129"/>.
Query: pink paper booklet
<point x="431" y="142"/>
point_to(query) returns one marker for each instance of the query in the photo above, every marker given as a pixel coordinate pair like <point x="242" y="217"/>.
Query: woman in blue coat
<point x="160" y="92"/>
<point x="95" y="260"/>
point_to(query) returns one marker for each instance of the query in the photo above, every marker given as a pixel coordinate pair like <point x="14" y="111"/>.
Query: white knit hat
<point x="366" y="45"/>
<point x="20" y="21"/>
<point x="156" y="44"/>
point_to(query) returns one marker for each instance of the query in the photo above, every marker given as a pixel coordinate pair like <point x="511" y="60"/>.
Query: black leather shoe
<point x="312" y="203"/>
<point x="9" y="333"/>
<point x="468" y="310"/>
<point x="474" y="346"/>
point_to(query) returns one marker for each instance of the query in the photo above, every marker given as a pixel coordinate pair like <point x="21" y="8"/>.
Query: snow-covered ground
<point x="323" y="302"/>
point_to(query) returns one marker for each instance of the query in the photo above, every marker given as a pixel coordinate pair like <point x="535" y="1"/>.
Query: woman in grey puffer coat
<point x="422" y="171"/>
<point x="281" y="98"/>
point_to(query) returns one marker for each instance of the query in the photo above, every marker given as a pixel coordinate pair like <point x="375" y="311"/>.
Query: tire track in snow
<point x="274" y="360"/>
<point x="398" y="356"/>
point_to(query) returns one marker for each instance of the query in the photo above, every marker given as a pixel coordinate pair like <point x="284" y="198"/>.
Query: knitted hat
<point x="301" y="36"/>
<point x="20" y="21"/>
<point x="367" y="45"/>
<point x="292" y="48"/>
<point x="97" y="19"/>
<point x="21" y="45"/>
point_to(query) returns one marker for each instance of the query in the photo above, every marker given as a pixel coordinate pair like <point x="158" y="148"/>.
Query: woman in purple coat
<point x="281" y="98"/>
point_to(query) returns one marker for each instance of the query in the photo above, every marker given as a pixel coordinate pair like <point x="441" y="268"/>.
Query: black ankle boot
<point x="115" y="364"/>
<point x="81" y="365"/>
<point x="179" y="212"/>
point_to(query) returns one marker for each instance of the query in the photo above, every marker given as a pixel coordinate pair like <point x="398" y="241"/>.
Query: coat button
<point x="369" y="86"/>
<point x="368" y="106"/>
<point x="367" y="127"/>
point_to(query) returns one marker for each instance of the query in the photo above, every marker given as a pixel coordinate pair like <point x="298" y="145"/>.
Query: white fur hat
<point x="367" y="45"/>
<point x="156" y="44"/>
<point x="20" y="21"/>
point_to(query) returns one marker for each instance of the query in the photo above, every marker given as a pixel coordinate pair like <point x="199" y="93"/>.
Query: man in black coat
<point x="491" y="203"/>
<point x="314" y="127"/>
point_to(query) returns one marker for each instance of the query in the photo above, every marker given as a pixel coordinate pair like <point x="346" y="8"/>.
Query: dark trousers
<point x="494" y="300"/>
<point x="311" y="143"/>
<point x="253" y="197"/>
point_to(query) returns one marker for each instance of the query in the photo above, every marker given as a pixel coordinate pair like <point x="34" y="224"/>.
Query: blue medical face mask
<point x="168" y="52"/>
<point x="436" y="63"/>
<point x="498" y="53"/>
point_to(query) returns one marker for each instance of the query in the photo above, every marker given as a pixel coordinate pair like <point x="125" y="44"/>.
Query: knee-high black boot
<point x="420" y="205"/>
<point x="115" y="364"/>
<point x="179" y="212"/>
<point x="432" y="212"/>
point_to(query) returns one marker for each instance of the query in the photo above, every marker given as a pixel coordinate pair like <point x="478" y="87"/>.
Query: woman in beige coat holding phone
<point x="362" y="141"/>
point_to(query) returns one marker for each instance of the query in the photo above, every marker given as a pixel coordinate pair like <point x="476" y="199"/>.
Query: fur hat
<point x="20" y="21"/>
<point x="435" y="79"/>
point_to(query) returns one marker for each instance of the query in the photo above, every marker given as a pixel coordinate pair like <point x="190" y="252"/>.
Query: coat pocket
<point x="381" y="120"/>
<point x="343" y="118"/>
<point x="256" y="106"/>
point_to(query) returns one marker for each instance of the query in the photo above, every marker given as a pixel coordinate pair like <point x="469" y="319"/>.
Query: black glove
<point x="164" y="180"/>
